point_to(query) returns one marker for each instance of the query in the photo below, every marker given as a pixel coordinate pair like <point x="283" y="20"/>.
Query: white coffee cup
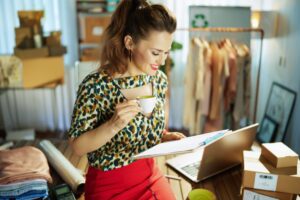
<point x="147" y="103"/>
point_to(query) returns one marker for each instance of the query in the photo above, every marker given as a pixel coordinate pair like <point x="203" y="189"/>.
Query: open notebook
<point x="184" y="145"/>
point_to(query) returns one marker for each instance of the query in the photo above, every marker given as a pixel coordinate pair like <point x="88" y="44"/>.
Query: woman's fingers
<point x="127" y="103"/>
<point x="124" y="119"/>
<point x="176" y="135"/>
<point x="124" y="113"/>
<point x="169" y="136"/>
<point x="127" y="116"/>
<point x="128" y="108"/>
<point x="130" y="105"/>
<point x="180" y="135"/>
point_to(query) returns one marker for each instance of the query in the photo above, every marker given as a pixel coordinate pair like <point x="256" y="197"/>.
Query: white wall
<point x="285" y="45"/>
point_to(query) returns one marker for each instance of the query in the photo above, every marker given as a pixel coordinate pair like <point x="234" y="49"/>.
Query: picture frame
<point x="267" y="130"/>
<point x="280" y="105"/>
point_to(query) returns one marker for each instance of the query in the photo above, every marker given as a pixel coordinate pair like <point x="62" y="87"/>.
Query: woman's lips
<point x="154" y="67"/>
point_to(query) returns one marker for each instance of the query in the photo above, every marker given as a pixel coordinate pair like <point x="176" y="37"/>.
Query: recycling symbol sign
<point x="199" y="20"/>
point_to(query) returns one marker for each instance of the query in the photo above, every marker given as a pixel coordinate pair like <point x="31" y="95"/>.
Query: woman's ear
<point x="128" y="41"/>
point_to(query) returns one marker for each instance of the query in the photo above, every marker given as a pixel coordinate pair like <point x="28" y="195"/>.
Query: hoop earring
<point x="130" y="55"/>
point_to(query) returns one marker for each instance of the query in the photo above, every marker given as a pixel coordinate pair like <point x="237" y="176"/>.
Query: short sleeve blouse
<point x="97" y="98"/>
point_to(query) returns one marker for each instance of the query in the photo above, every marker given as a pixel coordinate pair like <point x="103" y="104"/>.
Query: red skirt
<point x="141" y="180"/>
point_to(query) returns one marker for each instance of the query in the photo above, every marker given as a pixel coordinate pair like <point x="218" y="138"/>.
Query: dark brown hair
<point x="135" y="18"/>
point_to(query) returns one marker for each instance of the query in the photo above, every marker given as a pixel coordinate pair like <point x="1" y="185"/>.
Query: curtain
<point x="40" y="109"/>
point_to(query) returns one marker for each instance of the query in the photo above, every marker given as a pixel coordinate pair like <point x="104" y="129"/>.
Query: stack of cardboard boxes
<point x="93" y="19"/>
<point x="92" y="29"/>
<point x="273" y="174"/>
<point x="30" y="42"/>
<point x="53" y="42"/>
<point x="42" y="57"/>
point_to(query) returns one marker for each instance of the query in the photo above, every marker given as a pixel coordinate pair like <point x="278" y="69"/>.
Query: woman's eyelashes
<point x="157" y="53"/>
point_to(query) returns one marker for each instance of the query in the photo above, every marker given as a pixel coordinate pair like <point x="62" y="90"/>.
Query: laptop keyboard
<point x="192" y="169"/>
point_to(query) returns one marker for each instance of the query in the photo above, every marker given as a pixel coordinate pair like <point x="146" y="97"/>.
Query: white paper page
<point x="184" y="145"/>
<point x="249" y="195"/>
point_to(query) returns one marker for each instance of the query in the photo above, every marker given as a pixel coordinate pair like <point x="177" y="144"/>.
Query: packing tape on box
<point x="64" y="168"/>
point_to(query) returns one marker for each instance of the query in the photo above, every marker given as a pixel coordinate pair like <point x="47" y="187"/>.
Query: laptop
<point x="217" y="156"/>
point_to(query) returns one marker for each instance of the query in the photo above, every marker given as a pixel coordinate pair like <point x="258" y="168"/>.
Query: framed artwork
<point x="267" y="130"/>
<point x="279" y="108"/>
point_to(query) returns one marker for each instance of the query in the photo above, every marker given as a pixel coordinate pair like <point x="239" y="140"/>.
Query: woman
<point x="107" y="121"/>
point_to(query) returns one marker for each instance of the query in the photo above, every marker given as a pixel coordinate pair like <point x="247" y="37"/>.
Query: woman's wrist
<point x="165" y="132"/>
<point x="111" y="127"/>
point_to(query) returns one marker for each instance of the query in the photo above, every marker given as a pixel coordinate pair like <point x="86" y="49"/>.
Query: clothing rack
<point x="239" y="30"/>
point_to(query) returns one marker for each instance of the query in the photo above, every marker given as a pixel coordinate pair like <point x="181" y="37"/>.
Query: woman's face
<point x="150" y="53"/>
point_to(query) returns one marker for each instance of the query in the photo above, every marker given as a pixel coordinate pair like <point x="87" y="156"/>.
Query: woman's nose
<point x="161" y="60"/>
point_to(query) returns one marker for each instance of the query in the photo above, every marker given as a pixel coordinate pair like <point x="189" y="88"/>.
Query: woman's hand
<point x="123" y="114"/>
<point x="169" y="136"/>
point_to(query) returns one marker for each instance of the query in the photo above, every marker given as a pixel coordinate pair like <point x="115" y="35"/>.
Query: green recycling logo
<point x="199" y="21"/>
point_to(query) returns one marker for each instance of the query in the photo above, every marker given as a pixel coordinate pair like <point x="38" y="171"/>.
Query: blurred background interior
<point x="48" y="46"/>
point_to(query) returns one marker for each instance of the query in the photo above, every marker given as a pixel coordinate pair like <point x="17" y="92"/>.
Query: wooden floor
<point x="226" y="186"/>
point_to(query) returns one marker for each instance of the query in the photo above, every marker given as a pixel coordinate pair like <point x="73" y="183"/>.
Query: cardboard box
<point x="31" y="53"/>
<point x="93" y="27"/>
<point x="39" y="72"/>
<point x="90" y="54"/>
<point x="282" y="170"/>
<point x="279" y="155"/>
<point x="259" y="175"/>
<point x="22" y="33"/>
<point x="52" y="41"/>
<point x="31" y="18"/>
<point x="57" y="50"/>
<point x="24" y="37"/>
<point x="25" y="43"/>
<point x="250" y="194"/>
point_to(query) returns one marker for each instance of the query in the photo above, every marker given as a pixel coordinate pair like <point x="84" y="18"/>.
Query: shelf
<point x="93" y="16"/>
<point x="88" y="45"/>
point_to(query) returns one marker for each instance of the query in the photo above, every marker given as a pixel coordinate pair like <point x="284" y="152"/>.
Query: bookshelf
<point x="93" y="16"/>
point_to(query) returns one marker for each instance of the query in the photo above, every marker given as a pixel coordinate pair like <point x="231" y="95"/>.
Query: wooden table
<point x="226" y="186"/>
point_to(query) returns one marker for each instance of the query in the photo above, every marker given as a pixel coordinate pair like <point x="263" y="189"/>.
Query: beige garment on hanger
<point x="203" y="104"/>
<point x="199" y="68"/>
<point x="194" y="87"/>
<point x="231" y="83"/>
<point x="200" y="72"/>
<point x="189" y="89"/>
<point x="242" y="100"/>
<point x="217" y="87"/>
<point x="220" y="72"/>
